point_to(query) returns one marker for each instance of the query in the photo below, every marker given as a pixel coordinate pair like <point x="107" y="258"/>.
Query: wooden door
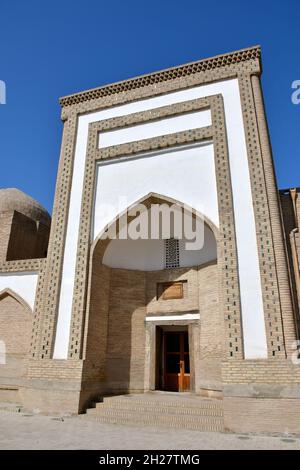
<point x="176" y="361"/>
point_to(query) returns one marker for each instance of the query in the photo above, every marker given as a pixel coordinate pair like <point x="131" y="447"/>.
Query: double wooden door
<point x="176" y="361"/>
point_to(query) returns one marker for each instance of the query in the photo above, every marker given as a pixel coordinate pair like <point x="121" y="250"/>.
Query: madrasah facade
<point x="85" y="317"/>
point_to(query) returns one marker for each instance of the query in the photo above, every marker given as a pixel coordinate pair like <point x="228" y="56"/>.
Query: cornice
<point x="203" y="65"/>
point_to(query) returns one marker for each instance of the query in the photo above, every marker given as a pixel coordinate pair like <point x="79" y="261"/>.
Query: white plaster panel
<point x="185" y="316"/>
<point x="198" y="257"/>
<point x="142" y="255"/>
<point x="187" y="175"/>
<point x="156" y="128"/>
<point x="254" y="335"/>
<point x="149" y="255"/>
<point x="24" y="284"/>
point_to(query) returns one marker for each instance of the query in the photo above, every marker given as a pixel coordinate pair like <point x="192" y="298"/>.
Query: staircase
<point x="185" y="411"/>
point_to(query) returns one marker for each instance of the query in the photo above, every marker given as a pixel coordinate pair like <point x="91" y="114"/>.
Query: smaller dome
<point x="12" y="199"/>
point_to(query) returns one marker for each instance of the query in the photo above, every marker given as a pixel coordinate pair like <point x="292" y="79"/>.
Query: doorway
<point x="174" y="360"/>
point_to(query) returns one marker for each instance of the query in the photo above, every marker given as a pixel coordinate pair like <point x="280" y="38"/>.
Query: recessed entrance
<point x="173" y="359"/>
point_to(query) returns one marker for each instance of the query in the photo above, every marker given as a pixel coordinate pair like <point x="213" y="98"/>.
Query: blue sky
<point x="50" y="49"/>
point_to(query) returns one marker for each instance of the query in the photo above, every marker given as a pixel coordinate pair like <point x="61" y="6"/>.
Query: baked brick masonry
<point x="84" y="318"/>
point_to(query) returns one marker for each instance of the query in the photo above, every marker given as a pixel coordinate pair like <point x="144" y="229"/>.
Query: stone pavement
<point x="33" y="431"/>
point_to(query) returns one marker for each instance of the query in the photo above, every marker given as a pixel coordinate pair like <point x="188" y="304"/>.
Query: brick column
<point x="287" y="312"/>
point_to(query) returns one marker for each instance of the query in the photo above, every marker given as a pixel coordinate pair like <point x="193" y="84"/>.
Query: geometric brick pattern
<point x="277" y="300"/>
<point x="22" y="265"/>
<point x="265" y="246"/>
<point x="47" y="305"/>
<point x="204" y="65"/>
<point x="227" y="250"/>
<point x="172" y="253"/>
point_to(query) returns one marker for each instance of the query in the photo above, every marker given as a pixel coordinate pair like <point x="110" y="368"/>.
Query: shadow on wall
<point x="126" y="331"/>
<point x="119" y="300"/>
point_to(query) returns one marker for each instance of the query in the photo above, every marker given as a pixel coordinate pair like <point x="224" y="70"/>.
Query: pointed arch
<point x="98" y="319"/>
<point x="7" y="292"/>
<point x="15" y="332"/>
<point x="148" y="199"/>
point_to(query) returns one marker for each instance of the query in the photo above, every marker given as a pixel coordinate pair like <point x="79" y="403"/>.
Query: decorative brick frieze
<point x="251" y="66"/>
<point x="275" y="289"/>
<point x="276" y="227"/>
<point x="227" y="252"/>
<point x="22" y="265"/>
<point x="48" y="304"/>
<point x="183" y="71"/>
<point x="37" y="322"/>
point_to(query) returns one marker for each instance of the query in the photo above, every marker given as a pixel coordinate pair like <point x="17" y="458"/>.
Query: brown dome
<point x="12" y="199"/>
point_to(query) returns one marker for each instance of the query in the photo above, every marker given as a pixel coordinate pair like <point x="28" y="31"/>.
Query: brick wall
<point x="212" y="330"/>
<point x="22" y="237"/>
<point x="290" y="208"/>
<point x="15" y="330"/>
<point x="262" y="415"/>
<point x="5" y="228"/>
<point x="126" y="330"/>
<point x="96" y="345"/>
<point x="261" y="372"/>
<point x="190" y="300"/>
<point x="119" y="302"/>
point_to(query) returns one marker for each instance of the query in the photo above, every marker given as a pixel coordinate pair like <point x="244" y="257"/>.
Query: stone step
<point x="11" y="407"/>
<point x="162" y="401"/>
<point x="119" y="416"/>
<point x="155" y="409"/>
<point x="159" y="408"/>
